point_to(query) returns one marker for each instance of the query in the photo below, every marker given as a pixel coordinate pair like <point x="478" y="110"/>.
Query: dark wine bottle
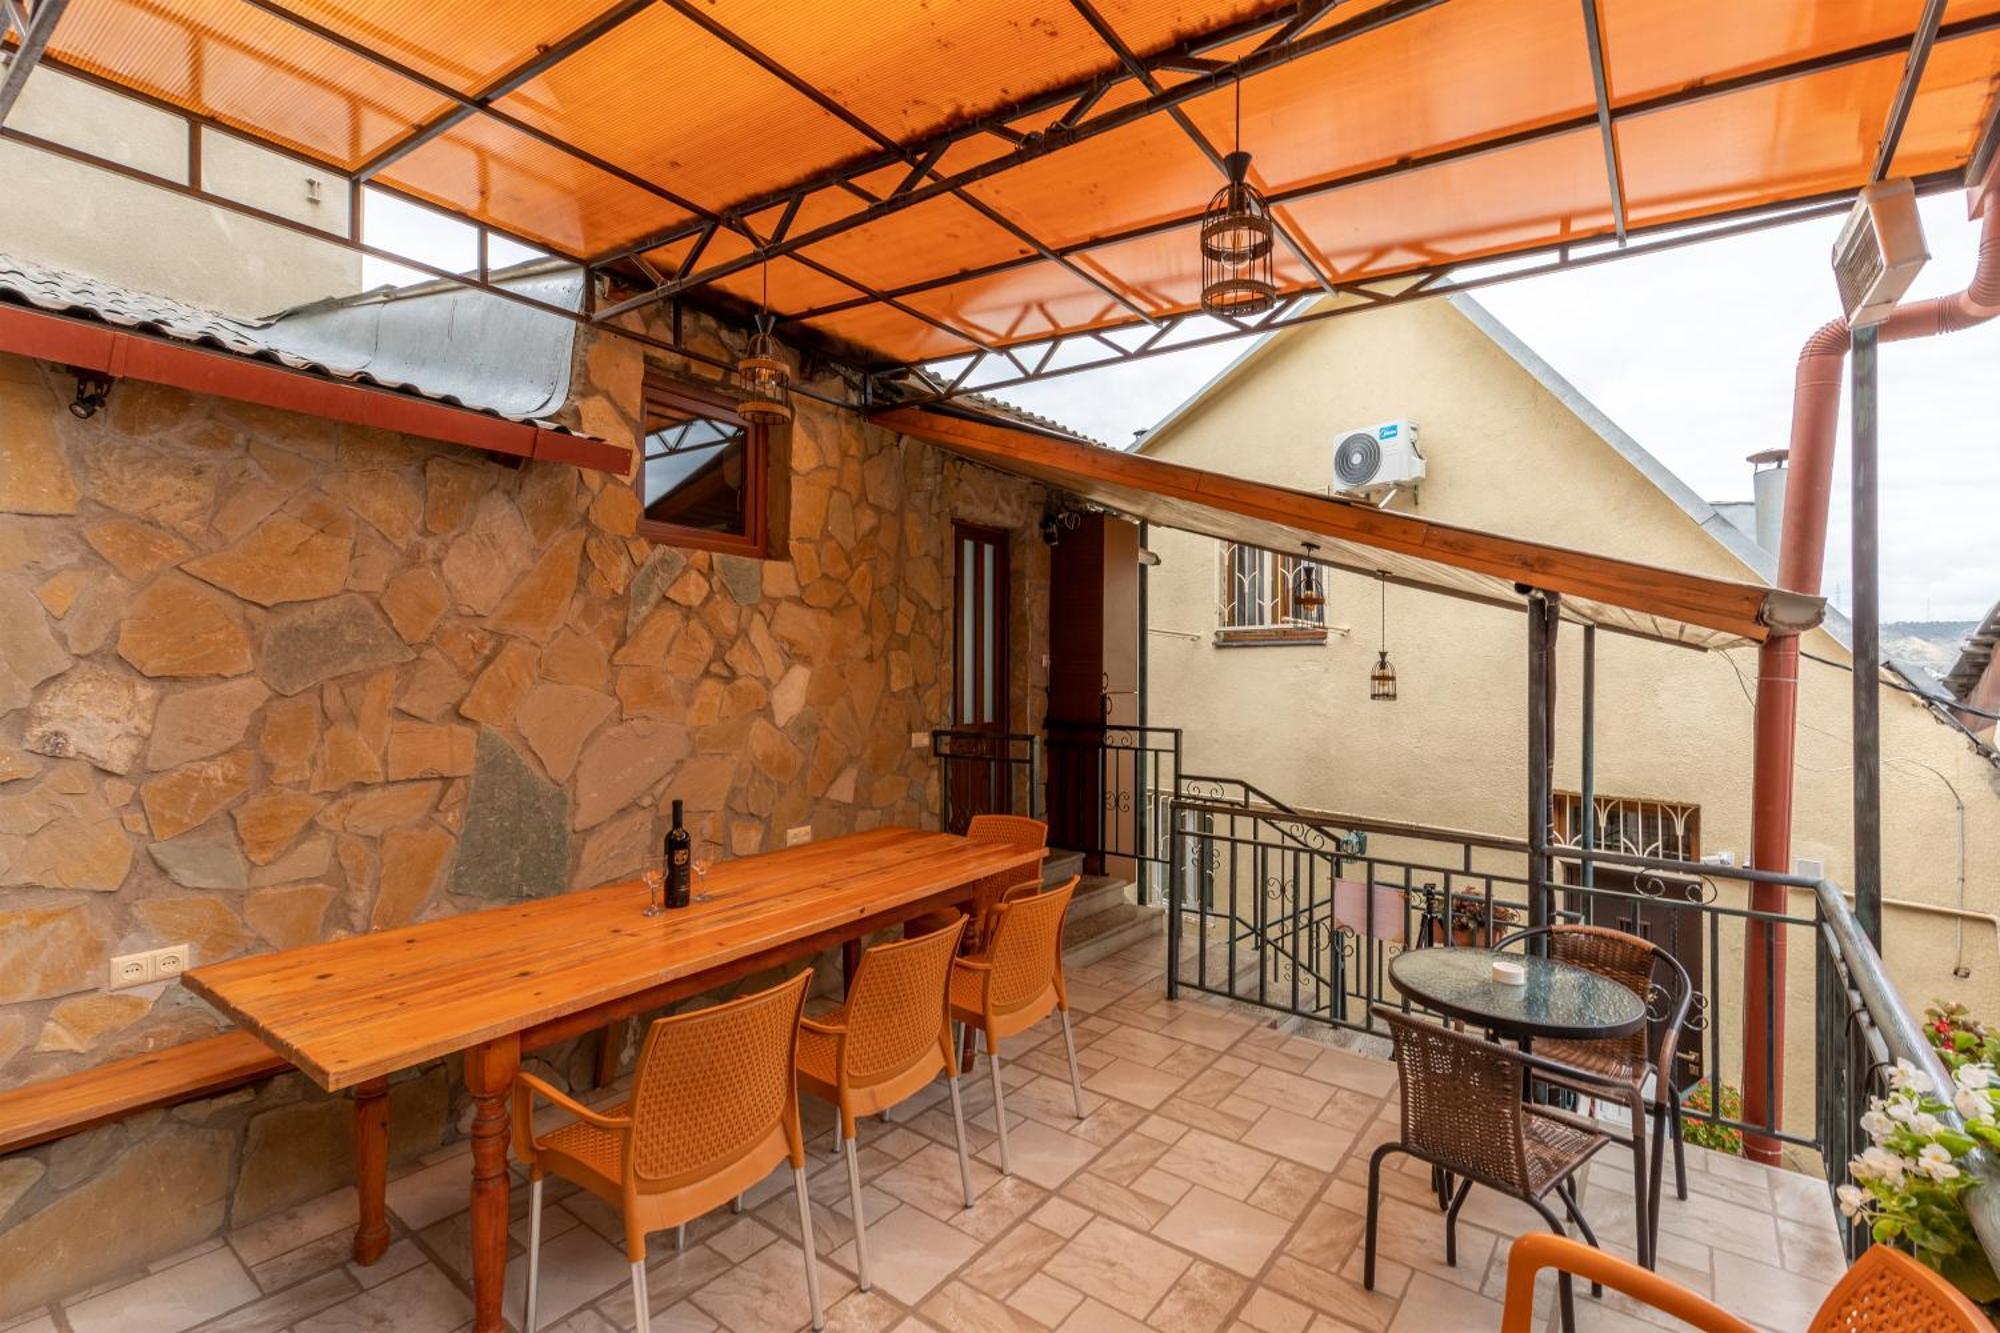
<point x="680" y="862"/>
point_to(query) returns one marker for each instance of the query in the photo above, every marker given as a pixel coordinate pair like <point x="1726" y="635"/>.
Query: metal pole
<point x="1865" y="615"/>
<point x="1587" y="815"/>
<point x="1539" y="734"/>
<point x="1149" y="778"/>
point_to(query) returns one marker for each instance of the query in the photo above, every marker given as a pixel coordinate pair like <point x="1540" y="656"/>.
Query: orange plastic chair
<point x="887" y="1042"/>
<point x="1016" y="830"/>
<point x="714" y="1108"/>
<point x="1886" y="1291"/>
<point x="1013" y="984"/>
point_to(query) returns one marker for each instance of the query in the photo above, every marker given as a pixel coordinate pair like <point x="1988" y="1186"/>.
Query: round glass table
<point x="1560" y="999"/>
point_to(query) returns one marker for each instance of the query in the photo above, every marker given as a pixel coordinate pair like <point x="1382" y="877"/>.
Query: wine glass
<point x="701" y="879"/>
<point x="656" y="890"/>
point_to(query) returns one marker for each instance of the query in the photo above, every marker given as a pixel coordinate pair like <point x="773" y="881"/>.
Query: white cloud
<point x="1692" y="352"/>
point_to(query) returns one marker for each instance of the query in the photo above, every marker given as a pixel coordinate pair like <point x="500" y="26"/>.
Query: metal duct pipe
<point x="1801" y="556"/>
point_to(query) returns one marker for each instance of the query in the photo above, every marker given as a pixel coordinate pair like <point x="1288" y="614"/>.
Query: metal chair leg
<point x="809" y="1245"/>
<point x="645" y="1315"/>
<point x="1680" y="1152"/>
<point x="1567" y="1193"/>
<point x="1075" y="1081"/>
<point x="1451" y="1222"/>
<point x="680" y="1238"/>
<point x="736" y="1204"/>
<point x="1374" y="1211"/>
<point x="860" y="1224"/>
<point x="534" y="1252"/>
<point x="958" y="1124"/>
<point x="999" y="1104"/>
<point x="1565" y="1290"/>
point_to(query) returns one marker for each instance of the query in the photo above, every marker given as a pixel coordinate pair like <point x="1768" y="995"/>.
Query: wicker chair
<point x="1014" y="983"/>
<point x="714" y="1108"/>
<point x="1463" y="1112"/>
<point x="887" y="1042"/>
<point x="1646" y="1057"/>
<point x="1017" y="830"/>
<point x="1886" y="1291"/>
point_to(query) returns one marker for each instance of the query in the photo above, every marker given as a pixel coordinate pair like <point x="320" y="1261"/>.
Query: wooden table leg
<point x="489" y="1077"/>
<point x="371" y="1168"/>
<point x="850" y="959"/>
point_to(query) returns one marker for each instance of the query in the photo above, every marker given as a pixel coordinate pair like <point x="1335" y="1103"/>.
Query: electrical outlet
<point x="131" y="969"/>
<point x="798" y="837"/>
<point x="919" y="739"/>
<point x="171" y="961"/>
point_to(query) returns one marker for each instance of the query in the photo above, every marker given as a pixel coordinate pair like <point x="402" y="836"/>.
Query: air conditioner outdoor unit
<point x="1377" y="460"/>
<point x="1878" y="252"/>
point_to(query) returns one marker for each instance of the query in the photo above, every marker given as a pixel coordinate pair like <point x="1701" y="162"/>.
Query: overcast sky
<point x="1692" y="351"/>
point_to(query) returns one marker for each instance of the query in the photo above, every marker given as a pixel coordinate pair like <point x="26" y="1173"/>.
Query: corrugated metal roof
<point x="1974" y="657"/>
<point x="443" y="342"/>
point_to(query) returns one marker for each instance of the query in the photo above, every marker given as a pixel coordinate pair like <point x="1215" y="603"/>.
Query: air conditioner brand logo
<point x="1387" y="433"/>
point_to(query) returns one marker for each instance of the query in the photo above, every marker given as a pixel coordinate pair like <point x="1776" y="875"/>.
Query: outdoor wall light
<point x="763" y="380"/>
<point x="1236" y="236"/>
<point x="1382" y="680"/>
<point x="1308" y="595"/>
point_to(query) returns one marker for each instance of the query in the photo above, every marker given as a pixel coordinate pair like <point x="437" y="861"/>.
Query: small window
<point x="1632" y="826"/>
<point x="1258" y="599"/>
<point x="702" y="481"/>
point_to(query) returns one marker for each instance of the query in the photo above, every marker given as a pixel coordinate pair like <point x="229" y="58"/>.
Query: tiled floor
<point x="1218" y="1183"/>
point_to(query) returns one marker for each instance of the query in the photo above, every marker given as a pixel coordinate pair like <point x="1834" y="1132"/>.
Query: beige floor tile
<point x="1096" y="1317"/>
<point x="1357" y="1073"/>
<point x="1225" y="1167"/>
<point x="1123" y="1267"/>
<point x="1040" y="1153"/>
<point x="1132" y="1082"/>
<point x="170" y="1300"/>
<point x="422" y="1300"/>
<point x="910" y="1253"/>
<point x="274" y="1235"/>
<point x="1765" y="1294"/>
<point x="1045" y="1300"/>
<point x="767" y="1292"/>
<point x="1062" y="1217"/>
<point x="1306" y="1141"/>
<point x="1223" y="1230"/>
<point x="958" y="1307"/>
<point x="1268" y="1312"/>
<point x="424" y="1196"/>
<point x="577" y="1267"/>
<point x="1429" y="1305"/>
<point x="1002" y="1267"/>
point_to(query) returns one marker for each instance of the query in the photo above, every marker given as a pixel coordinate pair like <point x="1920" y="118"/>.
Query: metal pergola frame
<point x="1286" y="35"/>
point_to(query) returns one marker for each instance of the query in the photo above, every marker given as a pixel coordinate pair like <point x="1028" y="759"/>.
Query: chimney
<point x="1767" y="479"/>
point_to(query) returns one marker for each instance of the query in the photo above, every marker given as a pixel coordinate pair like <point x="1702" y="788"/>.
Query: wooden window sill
<point x="1268" y="638"/>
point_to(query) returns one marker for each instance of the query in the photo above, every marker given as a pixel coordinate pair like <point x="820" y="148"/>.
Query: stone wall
<point x="267" y="680"/>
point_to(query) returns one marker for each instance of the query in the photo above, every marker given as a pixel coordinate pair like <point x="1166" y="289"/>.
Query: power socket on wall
<point x="798" y="837"/>
<point x="162" y="964"/>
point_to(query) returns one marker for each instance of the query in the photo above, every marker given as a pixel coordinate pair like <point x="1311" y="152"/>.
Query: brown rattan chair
<point x="1014" y="983"/>
<point x="1463" y="1112"/>
<point x="886" y="1043"/>
<point x="714" y="1108"/>
<point x="1644" y="1061"/>
<point x="1885" y="1292"/>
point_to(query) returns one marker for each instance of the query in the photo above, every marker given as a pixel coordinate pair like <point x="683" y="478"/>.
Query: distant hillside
<point x="1932" y="644"/>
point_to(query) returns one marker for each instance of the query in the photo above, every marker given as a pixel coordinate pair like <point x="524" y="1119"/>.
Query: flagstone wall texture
<point x="267" y="680"/>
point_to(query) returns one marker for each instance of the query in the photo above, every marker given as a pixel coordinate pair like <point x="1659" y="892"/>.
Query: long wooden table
<point x="495" y="983"/>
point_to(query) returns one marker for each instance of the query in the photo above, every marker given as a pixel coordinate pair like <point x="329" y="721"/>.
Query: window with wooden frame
<point x="704" y="479"/>
<point x="1633" y="826"/>
<point x="1257" y="599"/>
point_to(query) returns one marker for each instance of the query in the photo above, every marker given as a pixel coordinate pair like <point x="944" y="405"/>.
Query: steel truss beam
<point x="1921" y="43"/>
<point x="885" y="385"/>
<point x="35" y="22"/>
<point x="1583" y="122"/>
<point x="1614" y="173"/>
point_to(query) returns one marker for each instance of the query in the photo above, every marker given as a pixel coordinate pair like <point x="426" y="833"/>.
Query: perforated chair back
<point x="896" y="1010"/>
<point x="1886" y="1291"/>
<point x="1461" y="1101"/>
<point x="1018" y="830"/>
<point x="1640" y="966"/>
<point x="1027" y="946"/>
<point x="714" y="1084"/>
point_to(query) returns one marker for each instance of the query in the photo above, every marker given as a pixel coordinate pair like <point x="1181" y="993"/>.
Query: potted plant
<point x="1713" y="1134"/>
<point x="1470" y="925"/>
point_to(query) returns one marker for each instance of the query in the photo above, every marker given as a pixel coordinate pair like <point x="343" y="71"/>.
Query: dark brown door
<point x="980" y="778"/>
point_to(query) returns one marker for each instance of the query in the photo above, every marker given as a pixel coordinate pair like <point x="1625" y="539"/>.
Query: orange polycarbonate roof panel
<point x="1090" y="190"/>
<point x="246" y="69"/>
<point x="1021" y="304"/>
<point x="793" y="286"/>
<point x="1472" y="208"/>
<point x="1465" y="70"/>
<point x="659" y="96"/>
<point x="1957" y="92"/>
<point x="1163" y="271"/>
<point x="926" y="240"/>
<point x="1727" y="152"/>
<point x="1656" y="46"/>
<point x="891" y="334"/>
<point x="484" y="169"/>
<point x="464" y="44"/>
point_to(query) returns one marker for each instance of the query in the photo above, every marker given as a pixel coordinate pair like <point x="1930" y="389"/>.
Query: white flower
<point x="1851" y="1198"/>
<point x="1926" y="1124"/>
<point x="1878" y="1125"/>
<point x="1901" y="1110"/>
<point x="1934" y="1160"/>
<point x="1973" y="1105"/>
<point x="1974" y="1078"/>
<point x="1880" y="1164"/>
<point x="1906" y="1077"/>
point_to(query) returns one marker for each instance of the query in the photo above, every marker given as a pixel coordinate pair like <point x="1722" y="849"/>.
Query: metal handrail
<point x="1905" y="1041"/>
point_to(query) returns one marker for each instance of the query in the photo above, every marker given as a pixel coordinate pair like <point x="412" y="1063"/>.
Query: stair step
<point x="1106" y="932"/>
<point x="1059" y="866"/>
<point x="1099" y="893"/>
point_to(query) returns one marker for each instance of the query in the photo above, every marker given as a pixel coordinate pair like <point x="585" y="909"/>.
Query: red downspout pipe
<point x="1801" y="554"/>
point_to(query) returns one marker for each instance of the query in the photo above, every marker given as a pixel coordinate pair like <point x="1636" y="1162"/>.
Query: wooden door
<point x="980" y="778"/>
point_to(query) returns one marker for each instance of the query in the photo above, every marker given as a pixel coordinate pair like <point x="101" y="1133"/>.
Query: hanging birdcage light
<point x="763" y="380"/>
<point x="1236" y="236"/>
<point x="1382" y="680"/>
<point x="1307" y="594"/>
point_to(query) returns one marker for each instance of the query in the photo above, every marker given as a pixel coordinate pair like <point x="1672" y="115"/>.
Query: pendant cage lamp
<point x="1236" y="234"/>
<point x="763" y="380"/>
<point x="1382" y="680"/>
<point x="1307" y="594"/>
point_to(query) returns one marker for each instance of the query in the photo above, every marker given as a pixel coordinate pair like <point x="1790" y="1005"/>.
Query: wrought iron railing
<point x="986" y="772"/>
<point x="1109" y="788"/>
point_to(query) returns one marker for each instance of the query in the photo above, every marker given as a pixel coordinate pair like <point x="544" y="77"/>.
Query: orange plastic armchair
<point x="886" y="1043"/>
<point x="1013" y="985"/>
<point x="1015" y="830"/>
<point x="1886" y="1291"/>
<point x="714" y="1108"/>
